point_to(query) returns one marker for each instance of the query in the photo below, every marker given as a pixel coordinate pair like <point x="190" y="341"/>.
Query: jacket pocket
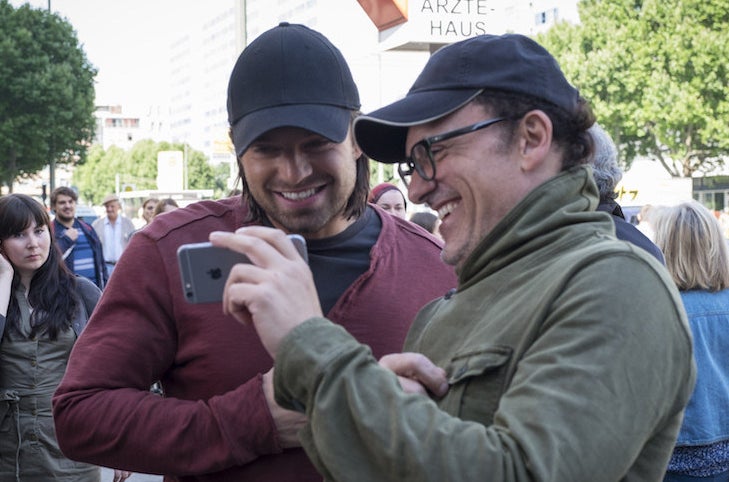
<point x="477" y="379"/>
<point x="8" y="408"/>
<point x="5" y="416"/>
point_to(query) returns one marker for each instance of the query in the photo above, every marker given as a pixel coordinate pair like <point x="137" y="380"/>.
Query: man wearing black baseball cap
<point x="291" y="103"/>
<point x="546" y="363"/>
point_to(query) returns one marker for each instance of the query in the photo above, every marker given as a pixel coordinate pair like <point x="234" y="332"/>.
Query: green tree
<point x="46" y="92"/>
<point x="655" y="72"/>
<point x="201" y="175"/>
<point x="388" y="173"/>
<point x="141" y="169"/>
<point x="84" y="175"/>
<point x="97" y="177"/>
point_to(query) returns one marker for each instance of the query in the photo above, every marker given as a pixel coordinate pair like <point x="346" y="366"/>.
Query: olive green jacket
<point x="568" y="355"/>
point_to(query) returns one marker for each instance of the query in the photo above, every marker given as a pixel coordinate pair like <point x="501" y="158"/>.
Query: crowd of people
<point x="515" y="327"/>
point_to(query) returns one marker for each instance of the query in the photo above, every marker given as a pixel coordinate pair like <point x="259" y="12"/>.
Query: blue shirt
<point x="83" y="260"/>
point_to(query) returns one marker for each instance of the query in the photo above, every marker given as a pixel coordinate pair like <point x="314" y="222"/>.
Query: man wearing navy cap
<point x="291" y="103"/>
<point x="546" y="363"/>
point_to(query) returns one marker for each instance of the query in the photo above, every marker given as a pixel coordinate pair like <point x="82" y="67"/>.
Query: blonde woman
<point x="697" y="258"/>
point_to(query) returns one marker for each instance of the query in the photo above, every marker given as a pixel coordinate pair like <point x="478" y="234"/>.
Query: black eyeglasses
<point x="421" y="158"/>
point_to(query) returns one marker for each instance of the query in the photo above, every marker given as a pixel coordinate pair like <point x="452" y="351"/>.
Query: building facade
<point x="201" y="60"/>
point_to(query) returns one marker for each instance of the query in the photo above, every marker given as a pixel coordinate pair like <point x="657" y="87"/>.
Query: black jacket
<point x="66" y="245"/>
<point x="627" y="232"/>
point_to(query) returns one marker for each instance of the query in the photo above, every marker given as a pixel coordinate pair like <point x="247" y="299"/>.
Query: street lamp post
<point x="52" y="160"/>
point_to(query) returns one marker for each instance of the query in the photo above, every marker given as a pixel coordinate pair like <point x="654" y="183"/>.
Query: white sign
<point x="647" y="182"/>
<point x="170" y="171"/>
<point x="443" y="22"/>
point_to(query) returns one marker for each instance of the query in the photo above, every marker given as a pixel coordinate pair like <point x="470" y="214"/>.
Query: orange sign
<point x="386" y="13"/>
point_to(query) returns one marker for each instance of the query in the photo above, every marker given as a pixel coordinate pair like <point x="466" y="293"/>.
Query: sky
<point x="128" y="42"/>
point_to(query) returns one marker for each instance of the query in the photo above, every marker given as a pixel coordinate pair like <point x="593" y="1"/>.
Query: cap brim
<point x="381" y="134"/>
<point x="326" y="120"/>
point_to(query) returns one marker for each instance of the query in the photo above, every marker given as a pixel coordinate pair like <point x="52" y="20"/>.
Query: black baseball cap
<point x="290" y="76"/>
<point x="453" y="76"/>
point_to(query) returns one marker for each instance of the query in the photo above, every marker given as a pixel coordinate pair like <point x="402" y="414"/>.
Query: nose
<point x="33" y="240"/>
<point x="295" y="166"/>
<point x="419" y="190"/>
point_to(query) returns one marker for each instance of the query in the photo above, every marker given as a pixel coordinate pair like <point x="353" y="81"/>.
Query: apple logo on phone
<point x="215" y="273"/>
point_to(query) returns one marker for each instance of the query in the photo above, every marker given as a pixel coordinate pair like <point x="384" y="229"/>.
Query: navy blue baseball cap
<point x="453" y="76"/>
<point x="290" y="76"/>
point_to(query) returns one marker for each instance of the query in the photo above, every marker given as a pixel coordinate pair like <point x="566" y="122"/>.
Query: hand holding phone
<point x="204" y="268"/>
<point x="276" y="295"/>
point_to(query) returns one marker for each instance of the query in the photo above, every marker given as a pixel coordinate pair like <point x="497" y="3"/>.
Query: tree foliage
<point x="656" y="74"/>
<point x="380" y="172"/>
<point x="46" y="92"/>
<point x="103" y="169"/>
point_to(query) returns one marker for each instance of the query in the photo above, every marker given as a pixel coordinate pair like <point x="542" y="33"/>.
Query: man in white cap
<point x="547" y="362"/>
<point x="114" y="231"/>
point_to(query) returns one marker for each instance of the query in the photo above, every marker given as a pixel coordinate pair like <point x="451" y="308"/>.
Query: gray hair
<point x="605" y="168"/>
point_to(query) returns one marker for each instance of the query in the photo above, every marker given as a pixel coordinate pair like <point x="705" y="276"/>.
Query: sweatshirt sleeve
<point x="620" y="370"/>
<point x="103" y="409"/>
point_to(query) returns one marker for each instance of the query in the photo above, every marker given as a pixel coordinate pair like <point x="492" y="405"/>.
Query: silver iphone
<point x="204" y="268"/>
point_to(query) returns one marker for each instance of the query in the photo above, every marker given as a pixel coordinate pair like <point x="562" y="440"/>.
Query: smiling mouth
<point x="300" y="195"/>
<point x="446" y="209"/>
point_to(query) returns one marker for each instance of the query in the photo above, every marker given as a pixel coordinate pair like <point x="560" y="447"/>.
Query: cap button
<point x="283" y="24"/>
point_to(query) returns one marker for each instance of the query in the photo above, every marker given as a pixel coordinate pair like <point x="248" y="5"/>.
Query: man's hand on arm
<point x="72" y="233"/>
<point x="276" y="291"/>
<point x="288" y="423"/>
<point x="416" y="373"/>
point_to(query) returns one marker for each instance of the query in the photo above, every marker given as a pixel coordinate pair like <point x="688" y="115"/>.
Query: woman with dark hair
<point x="43" y="308"/>
<point x="148" y="207"/>
<point x="164" y="206"/>
<point x="427" y="221"/>
<point x="390" y="198"/>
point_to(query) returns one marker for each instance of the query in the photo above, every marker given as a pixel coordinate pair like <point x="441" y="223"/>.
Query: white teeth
<point x="446" y="210"/>
<point x="297" y="196"/>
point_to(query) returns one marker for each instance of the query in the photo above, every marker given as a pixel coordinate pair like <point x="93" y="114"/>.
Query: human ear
<point x="535" y="139"/>
<point x="356" y="151"/>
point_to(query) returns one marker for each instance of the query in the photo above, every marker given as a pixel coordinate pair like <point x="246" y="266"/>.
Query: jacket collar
<point x="612" y="207"/>
<point x="540" y="219"/>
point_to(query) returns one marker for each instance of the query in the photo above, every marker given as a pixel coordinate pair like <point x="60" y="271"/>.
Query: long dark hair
<point x="53" y="287"/>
